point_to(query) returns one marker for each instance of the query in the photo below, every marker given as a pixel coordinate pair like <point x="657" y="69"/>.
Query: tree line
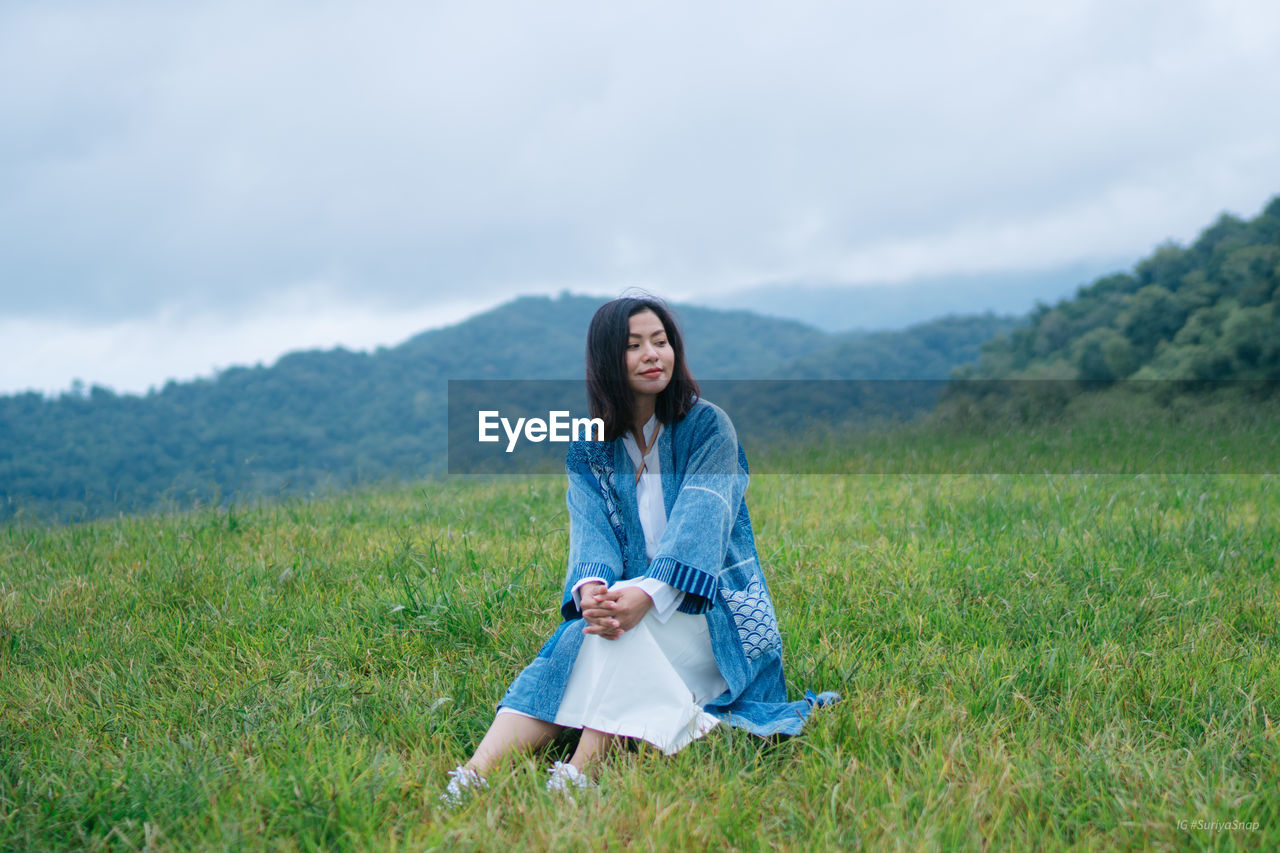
<point x="1206" y="312"/>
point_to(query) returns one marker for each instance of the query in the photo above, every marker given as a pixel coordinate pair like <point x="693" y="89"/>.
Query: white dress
<point x="652" y="682"/>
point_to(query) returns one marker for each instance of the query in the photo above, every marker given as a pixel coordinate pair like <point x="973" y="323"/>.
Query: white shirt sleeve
<point x="576" y="592"/>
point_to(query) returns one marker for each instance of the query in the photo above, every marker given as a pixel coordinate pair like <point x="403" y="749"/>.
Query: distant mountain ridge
<point x="539" y="337"/>
<point x="891" y="306"/>
<point x="334" y="418"/>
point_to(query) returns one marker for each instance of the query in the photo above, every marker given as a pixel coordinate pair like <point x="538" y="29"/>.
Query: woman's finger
<point x="604" y="622"/>
<point x="608" y="633"/>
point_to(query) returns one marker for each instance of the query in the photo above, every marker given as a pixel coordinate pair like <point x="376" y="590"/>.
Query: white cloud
<point x="137" y="354"/>
<point x="200" y="159"/>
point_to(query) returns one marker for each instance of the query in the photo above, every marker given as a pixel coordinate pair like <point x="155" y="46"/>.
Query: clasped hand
<point x="611" y="613"/>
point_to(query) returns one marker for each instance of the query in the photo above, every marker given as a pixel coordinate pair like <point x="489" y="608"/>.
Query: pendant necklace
<point x="644" y="451"/>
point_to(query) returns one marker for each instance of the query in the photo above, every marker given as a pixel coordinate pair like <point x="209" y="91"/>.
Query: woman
<point x="668" y="626"/>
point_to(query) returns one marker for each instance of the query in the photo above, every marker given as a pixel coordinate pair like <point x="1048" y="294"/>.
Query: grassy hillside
<point x="1027" y="662"/>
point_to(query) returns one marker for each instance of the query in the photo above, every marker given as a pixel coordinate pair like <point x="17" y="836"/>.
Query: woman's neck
<point x="645" y="407"/>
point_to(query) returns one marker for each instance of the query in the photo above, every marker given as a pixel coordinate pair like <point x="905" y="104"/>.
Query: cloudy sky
<point x="186" y="186"/>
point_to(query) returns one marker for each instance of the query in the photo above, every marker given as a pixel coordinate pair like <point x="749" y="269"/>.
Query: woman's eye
<point x="633" y="346"/>
<point x="659" y="343"/>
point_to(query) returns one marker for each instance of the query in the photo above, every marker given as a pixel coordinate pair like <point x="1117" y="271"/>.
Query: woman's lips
<point x="650" y="374"/>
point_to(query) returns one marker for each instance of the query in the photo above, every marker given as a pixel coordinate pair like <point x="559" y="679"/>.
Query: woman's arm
<point x="594" y="549"/>
<point x="691" y="552"/>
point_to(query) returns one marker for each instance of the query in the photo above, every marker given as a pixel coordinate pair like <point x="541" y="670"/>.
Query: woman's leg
<point x="510" y="733"/>
<point x="591" y="746"/>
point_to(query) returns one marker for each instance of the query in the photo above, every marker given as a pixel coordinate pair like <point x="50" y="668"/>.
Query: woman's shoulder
<point x="706" y="418"/>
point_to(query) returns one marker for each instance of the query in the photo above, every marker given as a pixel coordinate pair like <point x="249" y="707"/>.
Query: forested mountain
<point x="1210" y="311"/>
<point x="328" y="419"/>
<point x="930" y="350"/>
<point x="535" y="337"/>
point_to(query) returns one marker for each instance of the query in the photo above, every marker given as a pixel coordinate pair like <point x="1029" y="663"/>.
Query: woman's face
<point x="650" y="358"/>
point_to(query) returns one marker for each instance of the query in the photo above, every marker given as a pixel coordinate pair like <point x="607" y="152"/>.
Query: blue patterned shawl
<point x="707" y="550"/>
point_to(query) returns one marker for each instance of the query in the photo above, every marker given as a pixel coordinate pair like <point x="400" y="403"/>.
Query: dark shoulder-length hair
<point x="609" y="394"/>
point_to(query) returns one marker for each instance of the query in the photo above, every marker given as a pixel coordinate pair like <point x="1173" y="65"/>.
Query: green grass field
<point x="1028" y="661"/>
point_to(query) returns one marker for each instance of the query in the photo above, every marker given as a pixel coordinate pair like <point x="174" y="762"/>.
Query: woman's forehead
<point x="644" y="323"/>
